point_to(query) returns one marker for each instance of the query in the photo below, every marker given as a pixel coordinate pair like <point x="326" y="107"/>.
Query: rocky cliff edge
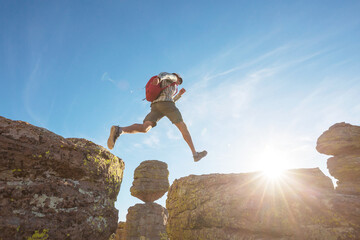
<point x="55" y="188"/>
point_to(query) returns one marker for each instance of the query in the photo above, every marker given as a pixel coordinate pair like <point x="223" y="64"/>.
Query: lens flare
<point x="273" y="162"/>
<point x="273" y="173"/>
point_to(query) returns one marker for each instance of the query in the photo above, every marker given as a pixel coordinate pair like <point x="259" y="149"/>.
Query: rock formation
<point x="55" y="188"/>
<point x="342" y="140"/>
<point x="301" y="205"/>
<point x="148" y="221"/>
<point x="150" y="181"/>
<point x="120" y="231"/>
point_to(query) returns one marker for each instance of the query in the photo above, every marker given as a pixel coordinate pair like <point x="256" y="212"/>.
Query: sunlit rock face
<point x="342" y="140"/>
<point x="55" y="188"/>
<point x="300" y="205"/>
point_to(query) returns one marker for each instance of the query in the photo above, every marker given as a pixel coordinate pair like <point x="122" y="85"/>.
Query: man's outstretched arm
<point x="178" y="96"/>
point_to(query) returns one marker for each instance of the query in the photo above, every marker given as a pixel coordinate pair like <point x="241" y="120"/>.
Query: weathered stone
<point x="121" y="231"/>
<point x="301" y="205"/>
<point x="150" y="181"/>
<point x="340" y="139"/>
<point x="348" y="207"/>
<point x="348" y="187"/>
<point x="345" y="168"/>
<point x="55" y="188"/>
<point x="146" y="221"/>
<point x="343" y="141"/>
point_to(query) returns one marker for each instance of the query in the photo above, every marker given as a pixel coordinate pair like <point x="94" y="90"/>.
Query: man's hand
<point x="182" y="91"/>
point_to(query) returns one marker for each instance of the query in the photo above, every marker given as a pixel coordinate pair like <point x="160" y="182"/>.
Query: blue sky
<point x="264" y="79"/>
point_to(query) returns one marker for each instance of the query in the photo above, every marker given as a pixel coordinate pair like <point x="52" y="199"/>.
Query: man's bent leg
<point x="116" y="131"/>
<point x="186" y="135"/>
<point x="138" y="128"/>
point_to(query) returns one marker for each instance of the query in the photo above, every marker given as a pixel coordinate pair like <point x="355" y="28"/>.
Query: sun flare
<point x="273" y="161"/>
<point x="273" y="173"/>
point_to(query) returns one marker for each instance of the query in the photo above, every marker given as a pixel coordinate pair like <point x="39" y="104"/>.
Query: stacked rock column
<point x="148" y="221"/>
<point x="342" y="140"/>
<point x="120" y="231"/>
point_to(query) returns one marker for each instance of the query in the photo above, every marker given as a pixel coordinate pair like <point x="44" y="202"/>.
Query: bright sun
<point x="273" y="162"/>
<point x="273" y="173"/>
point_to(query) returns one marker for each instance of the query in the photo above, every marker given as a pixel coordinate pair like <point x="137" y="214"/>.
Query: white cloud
<point x="121" y="84"/>
<point x="235" y="113"/>
<point x="105" y="77"/>
<point x="152" y="141"/>
<point x="173" y="133"/>
<point x="226" y="101"/>
<point x="137" y="145"/>
<point x="30" y="95"/>
<point x="203" y="131"/>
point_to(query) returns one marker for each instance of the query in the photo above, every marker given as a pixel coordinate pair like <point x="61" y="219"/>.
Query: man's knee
<point x="147" y="125"/>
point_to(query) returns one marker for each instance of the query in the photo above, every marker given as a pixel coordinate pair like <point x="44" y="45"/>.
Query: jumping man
<point x="164" y="105"/>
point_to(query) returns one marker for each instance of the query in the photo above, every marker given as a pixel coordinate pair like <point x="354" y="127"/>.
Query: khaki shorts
<point x="161" y="109"/>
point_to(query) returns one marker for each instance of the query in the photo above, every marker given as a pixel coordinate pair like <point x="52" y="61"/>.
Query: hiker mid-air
<point x="163" y="104"/>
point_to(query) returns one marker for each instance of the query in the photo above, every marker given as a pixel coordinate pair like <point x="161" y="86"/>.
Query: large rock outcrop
<point x="342" y="140"/>
<point x="55" y="188"/>
<point x="302" y="205"/>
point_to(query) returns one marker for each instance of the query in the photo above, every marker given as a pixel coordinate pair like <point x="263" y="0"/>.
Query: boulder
<point x="343" y="141"/>
<point x="146" y="221"/>
<point x="150" y="181"/>
<point x="121" y="231"/>
<point x="55" y="188"/>
<point x="345" y="168"/>
<point x="300" y="205"/>
<point x="340" y="139"/>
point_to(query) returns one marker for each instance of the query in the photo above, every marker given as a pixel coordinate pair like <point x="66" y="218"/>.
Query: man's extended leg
<point x="187" y="137"/>
<point x="116" y="131"/>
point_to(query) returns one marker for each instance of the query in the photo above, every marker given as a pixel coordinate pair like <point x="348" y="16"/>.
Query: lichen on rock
<point x="302" y="205"/>
<point x="147" y="221"/>
<point x="66" y="186"/>
<point x="150" y="180"/>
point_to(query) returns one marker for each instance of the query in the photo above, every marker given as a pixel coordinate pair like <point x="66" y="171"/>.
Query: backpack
<point x="152" y="91"/>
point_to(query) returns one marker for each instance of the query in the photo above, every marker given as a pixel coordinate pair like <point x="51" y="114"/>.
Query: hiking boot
<point x="199" y="155"/>
<point x="115" y="132"/>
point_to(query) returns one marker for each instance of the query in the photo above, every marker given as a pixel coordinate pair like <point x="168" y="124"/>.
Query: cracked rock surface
<point x="151" y="180"/>
<point x="55" y="188"/>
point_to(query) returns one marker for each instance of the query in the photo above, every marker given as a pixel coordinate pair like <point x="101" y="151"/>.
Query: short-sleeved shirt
<point x="167" y="94"/>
